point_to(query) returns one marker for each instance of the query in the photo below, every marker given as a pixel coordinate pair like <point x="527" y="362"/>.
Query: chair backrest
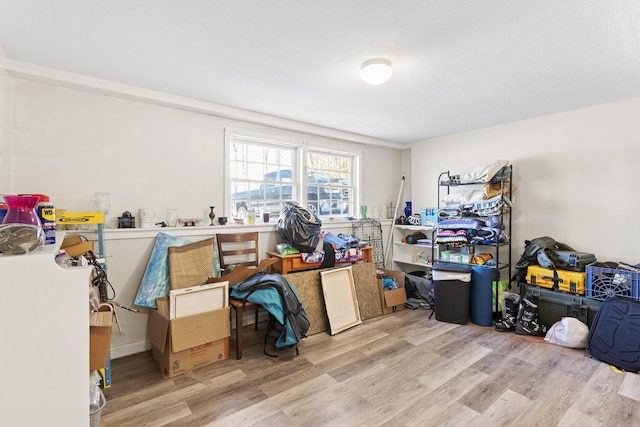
<point x="238" y="249"/>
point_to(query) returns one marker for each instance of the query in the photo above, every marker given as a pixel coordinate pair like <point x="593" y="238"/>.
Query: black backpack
<point x="288" y="321"/>
<point x="539" y="251"/>
<point x="614" y="336"/>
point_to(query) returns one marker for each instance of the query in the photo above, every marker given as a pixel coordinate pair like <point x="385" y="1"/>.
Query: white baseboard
<point x="129" y="349"/>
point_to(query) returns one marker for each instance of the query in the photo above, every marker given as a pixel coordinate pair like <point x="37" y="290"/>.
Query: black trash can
<point x="452" y="292"/>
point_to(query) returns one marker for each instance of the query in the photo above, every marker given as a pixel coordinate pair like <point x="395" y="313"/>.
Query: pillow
<point x="483" y="173"/>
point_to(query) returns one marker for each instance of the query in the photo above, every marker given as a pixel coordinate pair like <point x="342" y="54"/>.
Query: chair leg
<point x="255" y="323"/>
<point x="239" y="315"/>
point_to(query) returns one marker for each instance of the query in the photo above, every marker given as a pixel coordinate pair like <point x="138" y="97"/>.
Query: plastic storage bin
<point x="568" y="281"/>
<point x="95" y="407"/>
<point x="603" y="283"/>
<point x="554" y="305"/>
<point x="452" y="291"/>
<point x="429" y="217"/>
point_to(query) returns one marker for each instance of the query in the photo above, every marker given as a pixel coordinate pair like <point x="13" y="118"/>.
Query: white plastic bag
<point x="568" y="332"/>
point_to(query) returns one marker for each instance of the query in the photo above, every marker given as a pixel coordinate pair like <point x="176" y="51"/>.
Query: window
<point x="264" y="173"/>
<point x="330" y="182"/>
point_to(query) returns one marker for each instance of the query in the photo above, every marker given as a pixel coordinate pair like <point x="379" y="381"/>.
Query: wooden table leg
<point x="239" y="316"/>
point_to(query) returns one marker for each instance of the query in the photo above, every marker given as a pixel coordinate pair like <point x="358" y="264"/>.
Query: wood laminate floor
<point x="401" y="369"/>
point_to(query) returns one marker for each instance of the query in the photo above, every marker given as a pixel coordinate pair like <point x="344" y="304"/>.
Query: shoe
<point x="528" y="319"/>
<point x="510" y="318"/>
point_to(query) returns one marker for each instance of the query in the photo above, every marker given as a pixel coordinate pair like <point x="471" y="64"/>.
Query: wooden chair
<point x="239" y="249"/>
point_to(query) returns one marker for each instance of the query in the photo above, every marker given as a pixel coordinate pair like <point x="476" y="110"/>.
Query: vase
<point x="407" y="210"/>
<point x="212" y="215"/>
<point x="22" y="210"/>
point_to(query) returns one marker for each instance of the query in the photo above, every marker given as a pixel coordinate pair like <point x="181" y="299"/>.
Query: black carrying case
<point x="572" y="260"/>
<point x="554" y="305"/>
<point x="614" y="336"/>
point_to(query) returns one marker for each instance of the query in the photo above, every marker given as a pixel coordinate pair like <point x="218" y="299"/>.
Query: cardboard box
<point x="173" y="364"/>
<point x="187" y="343"/>
<point x="393" y="300"/>
<point x="75" y="246"/>
<point x="99" y="338"/>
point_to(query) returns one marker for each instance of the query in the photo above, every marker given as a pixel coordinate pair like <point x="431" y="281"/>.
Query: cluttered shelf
<point x="294" y="262"/>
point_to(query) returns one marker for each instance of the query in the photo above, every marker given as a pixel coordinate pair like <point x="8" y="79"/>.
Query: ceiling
<point x="459" y="65"/>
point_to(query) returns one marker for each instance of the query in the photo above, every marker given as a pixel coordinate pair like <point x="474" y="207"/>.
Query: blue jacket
<point x="261" y="288"/>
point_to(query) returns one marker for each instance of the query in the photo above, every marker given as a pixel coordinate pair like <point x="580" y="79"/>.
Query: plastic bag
<point x="299" y="227"/>
<point x="568" y="332"/>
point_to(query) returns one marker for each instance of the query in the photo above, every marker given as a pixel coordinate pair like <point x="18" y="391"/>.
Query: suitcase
<point x="554" y="305"/>
<point x="614" y="337"/>
<point x="567" y="281"/>
<point x="572" y="260"/>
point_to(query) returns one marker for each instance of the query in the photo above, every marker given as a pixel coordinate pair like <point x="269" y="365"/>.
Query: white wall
<point x="70" y="143"/>
<point x="5" y="115"/>
<point x="576" y="176"/>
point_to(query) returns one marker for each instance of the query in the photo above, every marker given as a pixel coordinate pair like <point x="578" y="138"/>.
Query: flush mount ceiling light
<point x="376" y="71"/>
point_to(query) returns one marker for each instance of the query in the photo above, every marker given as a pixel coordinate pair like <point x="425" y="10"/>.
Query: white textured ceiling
<point x="459" y="64"/>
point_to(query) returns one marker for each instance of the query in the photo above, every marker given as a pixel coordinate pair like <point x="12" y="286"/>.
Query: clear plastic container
<point x="96" y="403"/>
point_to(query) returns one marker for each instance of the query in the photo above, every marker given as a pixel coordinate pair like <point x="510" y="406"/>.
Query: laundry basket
<point x="97" y="402"/>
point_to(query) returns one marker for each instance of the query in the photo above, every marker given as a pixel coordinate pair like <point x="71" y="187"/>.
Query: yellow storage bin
<point x="568" y="281"/>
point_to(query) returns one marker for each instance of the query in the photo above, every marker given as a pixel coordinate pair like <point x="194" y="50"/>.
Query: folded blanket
<point x="452" y="237"/>
<point x="461" y="223"/>
<point x="449" y="212"/>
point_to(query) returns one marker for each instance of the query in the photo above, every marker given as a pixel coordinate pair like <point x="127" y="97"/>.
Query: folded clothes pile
<point x="458" y="232"/>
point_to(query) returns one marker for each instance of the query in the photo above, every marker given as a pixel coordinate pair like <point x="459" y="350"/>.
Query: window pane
<point x="330" y="184"/>
<point x="261" y="176"/>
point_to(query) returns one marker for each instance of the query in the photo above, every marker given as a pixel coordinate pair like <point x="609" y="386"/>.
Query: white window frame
<point x="299" y="169"/>
<point x="354" y="181"/>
